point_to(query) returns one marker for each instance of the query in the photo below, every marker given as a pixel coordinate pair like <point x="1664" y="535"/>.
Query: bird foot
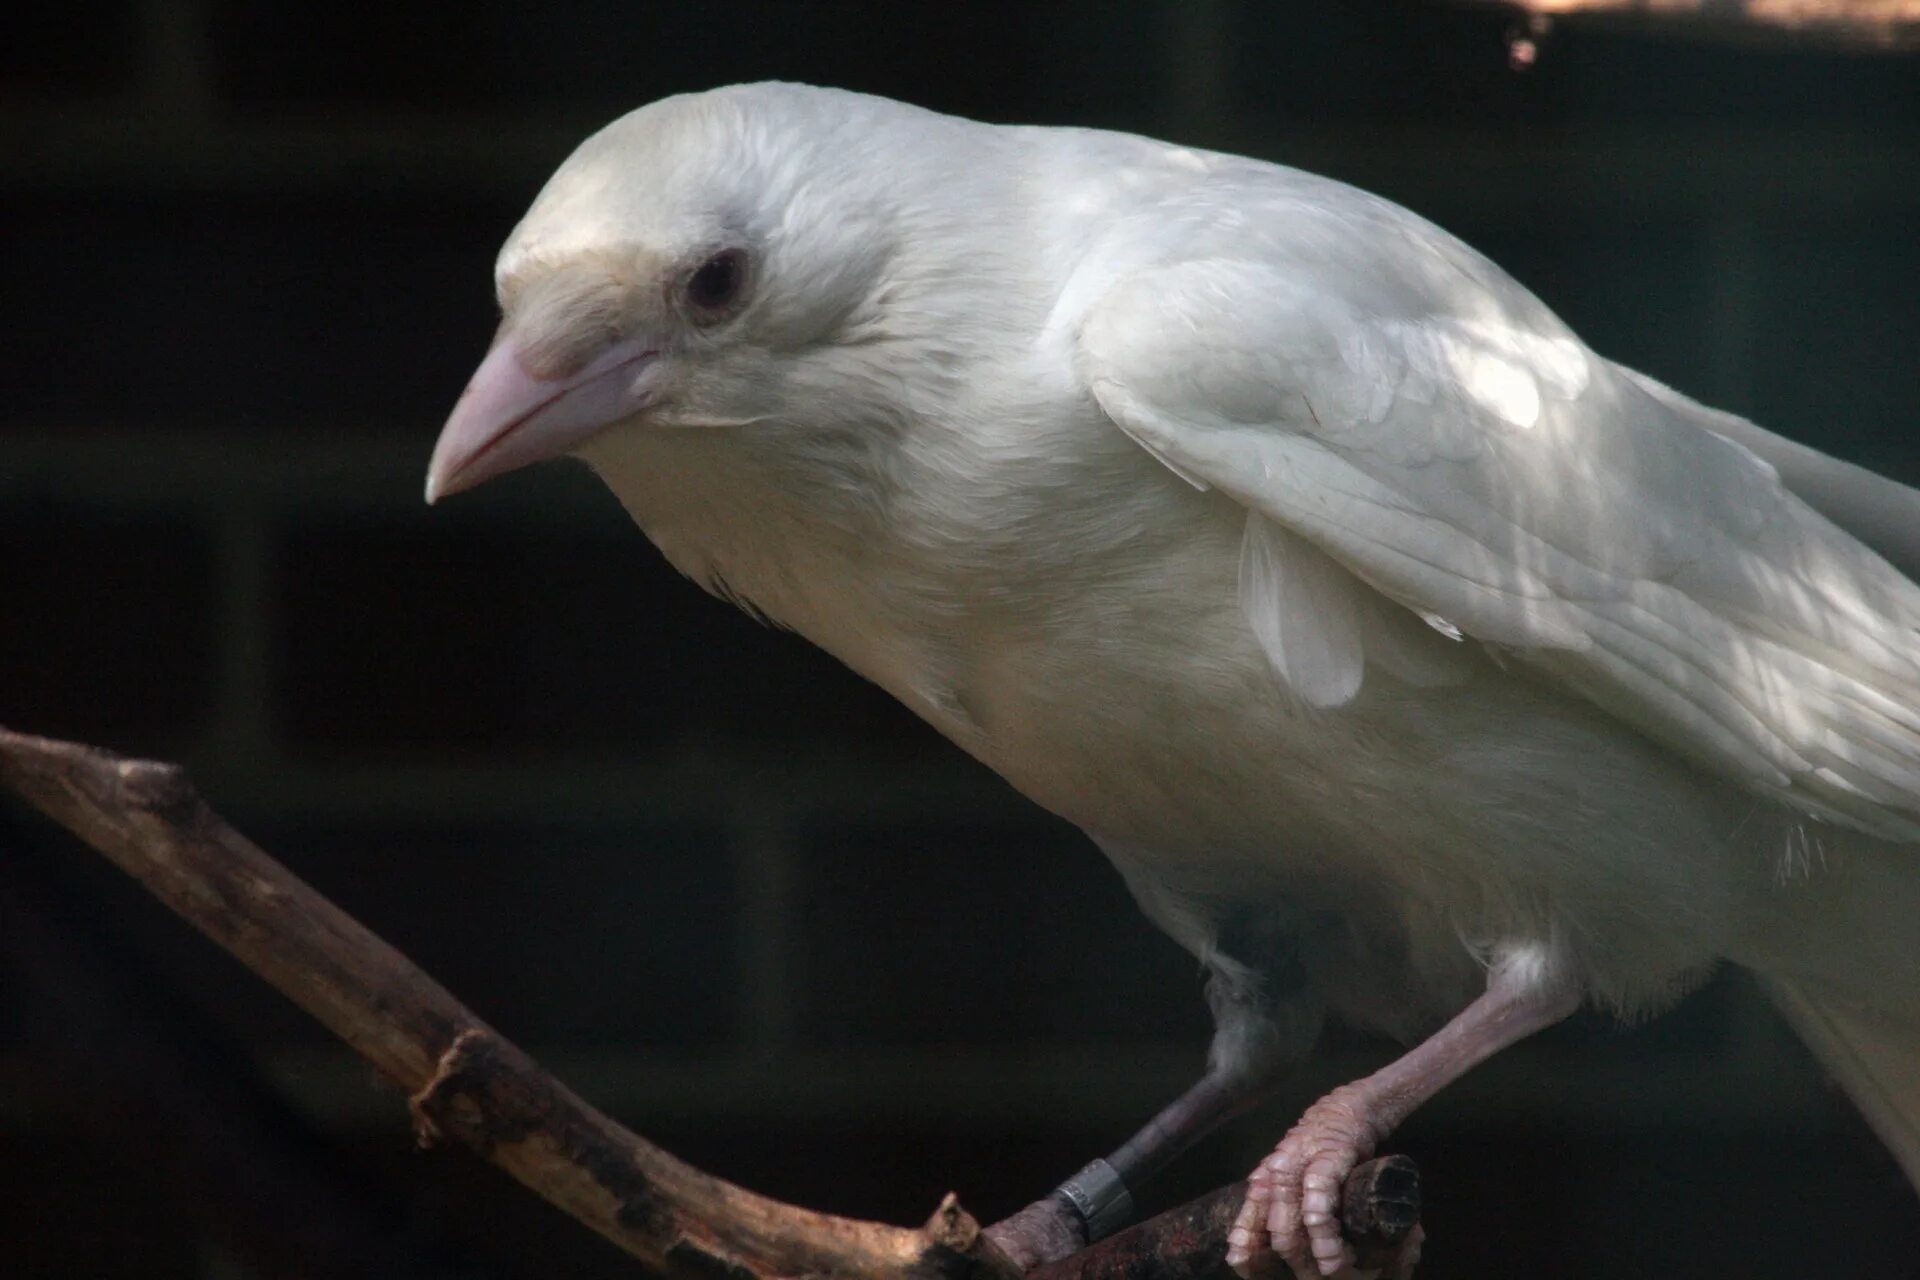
<point x="1045" y="1231"/>
<point x="1292" y="1209"/>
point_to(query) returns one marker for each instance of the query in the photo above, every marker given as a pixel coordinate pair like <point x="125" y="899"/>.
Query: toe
<point x="1283" y="1210"/>
<point x="1286" y="1234"/>
<point x="1246" y="1239"/>
<point x="1321" y="1186"/>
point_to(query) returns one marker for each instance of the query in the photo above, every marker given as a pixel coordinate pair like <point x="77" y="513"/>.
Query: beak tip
<point x="441" y="486"/>
<point x="436" y="487"/>
<point x="508" y="418"/>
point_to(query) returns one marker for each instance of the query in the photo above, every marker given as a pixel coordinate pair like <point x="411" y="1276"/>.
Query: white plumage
<point x="1390" y="641"/>
<point x="1492" y="473"/>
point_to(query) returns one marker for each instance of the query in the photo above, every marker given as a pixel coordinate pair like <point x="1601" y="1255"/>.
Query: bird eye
<point x="716" y="285"/>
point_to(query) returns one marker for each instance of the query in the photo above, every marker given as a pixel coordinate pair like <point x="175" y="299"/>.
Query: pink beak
<point x="508" y="418"/>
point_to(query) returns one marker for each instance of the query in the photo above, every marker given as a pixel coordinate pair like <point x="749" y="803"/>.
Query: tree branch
<point x="468" y="1083"/>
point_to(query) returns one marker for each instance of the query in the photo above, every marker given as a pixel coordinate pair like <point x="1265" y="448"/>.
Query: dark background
<point x="724" y="888"/>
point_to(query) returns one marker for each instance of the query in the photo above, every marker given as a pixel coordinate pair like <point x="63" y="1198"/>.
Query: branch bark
<point x="468" y="1083"/>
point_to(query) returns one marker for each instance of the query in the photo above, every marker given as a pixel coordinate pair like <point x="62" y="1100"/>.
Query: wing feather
<point x="1305" y="611"/>
<point x="1460" y="453"/>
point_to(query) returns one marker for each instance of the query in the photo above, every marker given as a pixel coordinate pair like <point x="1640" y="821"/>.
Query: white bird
<point x="1414" y="664"/>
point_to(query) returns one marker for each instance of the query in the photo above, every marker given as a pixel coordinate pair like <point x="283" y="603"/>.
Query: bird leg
<point x="1096" y="1201"/>
<point x="1264" y="1017"/>
<point x="1293" y="1197"/>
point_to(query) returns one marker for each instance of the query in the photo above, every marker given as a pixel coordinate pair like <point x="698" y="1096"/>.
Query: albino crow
<point x="1414" y="664"/>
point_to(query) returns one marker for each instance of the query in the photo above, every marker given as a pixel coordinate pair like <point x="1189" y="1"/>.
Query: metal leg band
<point x="1100" y="1198"/>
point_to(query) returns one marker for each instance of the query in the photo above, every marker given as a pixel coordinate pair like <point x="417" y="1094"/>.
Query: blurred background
<point x="722" y="887"/>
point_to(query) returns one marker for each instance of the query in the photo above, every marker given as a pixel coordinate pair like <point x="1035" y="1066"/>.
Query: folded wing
<point x="1453" y="450"/>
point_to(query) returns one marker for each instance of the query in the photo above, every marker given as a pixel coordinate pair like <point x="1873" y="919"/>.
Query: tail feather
<point x="1875" y="1059"/>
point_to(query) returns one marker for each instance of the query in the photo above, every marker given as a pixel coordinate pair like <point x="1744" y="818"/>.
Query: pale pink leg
<point x="1293" y="1198"/>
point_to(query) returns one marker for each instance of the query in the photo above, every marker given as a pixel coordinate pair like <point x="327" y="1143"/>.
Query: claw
<point x="1295" y="1194"/>
<point x="1250" y="1254"/>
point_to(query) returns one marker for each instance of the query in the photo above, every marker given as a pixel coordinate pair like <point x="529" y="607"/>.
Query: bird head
<point x="690" y="266"/>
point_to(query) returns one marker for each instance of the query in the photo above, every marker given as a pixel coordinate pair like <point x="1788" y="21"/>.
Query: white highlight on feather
<point x="1502" y="387"/>
<point x="1528" y="964"/>
<point x="1303" y="609"/>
